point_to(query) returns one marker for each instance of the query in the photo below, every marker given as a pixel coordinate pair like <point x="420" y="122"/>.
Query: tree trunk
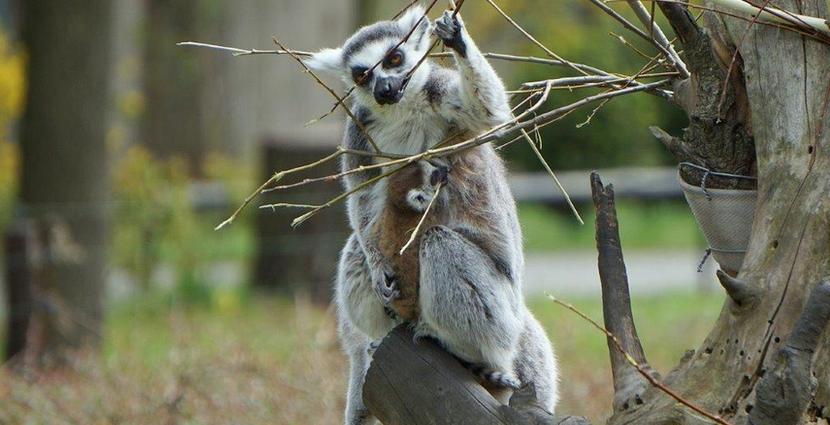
<point x="185" y="91"/>
<point x="64" y="183"/>
<point x="788" y="88"/>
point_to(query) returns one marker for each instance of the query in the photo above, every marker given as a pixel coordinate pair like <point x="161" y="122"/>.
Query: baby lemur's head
<point x="391" y="80"/>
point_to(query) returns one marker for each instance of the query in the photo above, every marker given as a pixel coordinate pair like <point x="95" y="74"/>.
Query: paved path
<point x="649" y="272"/>
<point x="559" y="273"/>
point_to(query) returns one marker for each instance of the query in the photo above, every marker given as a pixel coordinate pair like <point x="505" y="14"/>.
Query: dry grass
<point x="271" y="361"/>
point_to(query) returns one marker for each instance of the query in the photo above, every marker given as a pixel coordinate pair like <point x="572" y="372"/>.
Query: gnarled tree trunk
<point x="787" y="86"/>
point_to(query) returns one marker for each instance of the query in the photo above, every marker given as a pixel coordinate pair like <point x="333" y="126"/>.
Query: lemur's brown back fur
<point x="394" y="228"/>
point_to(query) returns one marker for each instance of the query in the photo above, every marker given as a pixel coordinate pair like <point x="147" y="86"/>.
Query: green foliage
<point x="578" y="31"/>
<point x="643" y="225"/>
<point x="155" y="223"/>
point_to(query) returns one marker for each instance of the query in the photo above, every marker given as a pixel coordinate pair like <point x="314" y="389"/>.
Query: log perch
<point x="629" y="385"/>
<point x="418" y="383"/>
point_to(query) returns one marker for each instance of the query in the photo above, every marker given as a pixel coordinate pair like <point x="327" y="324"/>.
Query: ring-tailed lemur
<point x="470" y="296"/>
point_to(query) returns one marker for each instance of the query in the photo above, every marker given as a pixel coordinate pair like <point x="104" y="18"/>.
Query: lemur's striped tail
<point x="493" y="376"/>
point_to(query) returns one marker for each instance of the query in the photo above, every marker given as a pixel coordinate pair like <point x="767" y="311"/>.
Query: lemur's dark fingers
<point x="440" y="175"/>
<point x="449" y="29"/>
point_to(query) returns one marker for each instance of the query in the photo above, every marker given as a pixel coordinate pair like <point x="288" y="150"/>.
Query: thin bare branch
<point x="275" y="178"/>
<point x="533" y="39"/>
<point x="659" y="37"/>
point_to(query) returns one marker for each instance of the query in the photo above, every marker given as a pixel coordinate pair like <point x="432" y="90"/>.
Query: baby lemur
<point x="469" y="260"/>
<point x="409" y="194"/>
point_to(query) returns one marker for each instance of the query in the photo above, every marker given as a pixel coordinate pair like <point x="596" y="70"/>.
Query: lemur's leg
<point x="362" y="318"/>
<point x="356" y="345"/>
<point x="481" y="99"/>
<point x="356" y="296"/>
<point x="467" y="303"/>
<point x="363" y="209"/>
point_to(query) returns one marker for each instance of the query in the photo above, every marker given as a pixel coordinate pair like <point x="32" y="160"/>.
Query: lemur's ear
<point x="411" y="18"/>
<point x="328" y="61"/>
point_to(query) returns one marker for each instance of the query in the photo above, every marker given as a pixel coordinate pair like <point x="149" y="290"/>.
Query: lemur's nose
<point x="387" y="90"/>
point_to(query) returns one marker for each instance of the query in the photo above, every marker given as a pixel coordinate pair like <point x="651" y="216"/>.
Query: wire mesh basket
<point x="724" y="215"/>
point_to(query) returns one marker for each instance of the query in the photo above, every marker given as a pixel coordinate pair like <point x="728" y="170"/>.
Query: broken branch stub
<point x="785" y="391"/>
<point x="629" y="385"/>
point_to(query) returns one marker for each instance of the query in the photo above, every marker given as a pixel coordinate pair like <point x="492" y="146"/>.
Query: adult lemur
<point x="470" y="277"/>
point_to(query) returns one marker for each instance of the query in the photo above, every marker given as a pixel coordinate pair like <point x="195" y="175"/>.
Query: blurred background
<point x="120" y="152"/>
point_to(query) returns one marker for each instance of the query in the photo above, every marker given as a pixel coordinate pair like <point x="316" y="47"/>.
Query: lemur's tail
<point x="493" y="376"/>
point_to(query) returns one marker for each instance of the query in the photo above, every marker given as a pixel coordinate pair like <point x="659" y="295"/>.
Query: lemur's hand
<point x="385" y="282"/>
<point x="440" y="175"/>
<point x="450" y="30"/>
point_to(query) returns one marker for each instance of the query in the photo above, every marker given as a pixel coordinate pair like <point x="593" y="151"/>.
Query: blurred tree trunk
<point x="271" y="101"/>
<point x="184" y="92"/>
<point x="64" y="182"/>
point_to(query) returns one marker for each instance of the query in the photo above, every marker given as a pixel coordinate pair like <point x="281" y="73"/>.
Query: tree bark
<point x="788" y="88"/>
<point x="64" y="182"/>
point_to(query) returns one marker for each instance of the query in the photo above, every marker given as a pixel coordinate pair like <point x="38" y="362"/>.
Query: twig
<point x="659" y="37"/>
<point x="552" y="175"/>
<point x="332" y="92"/>
<point x="275" y="178"/>
<point x="629" y="26"/>
<point x="486" y="137"/>
<point x="653" y="381"/>
<point x="771" y="14"/>
<point x="421" y="221"/>
<point x="533" y="39"/>
<point x="273" y="207"/>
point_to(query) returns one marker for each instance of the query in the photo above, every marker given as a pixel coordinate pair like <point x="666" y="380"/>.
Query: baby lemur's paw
<point x="450" y="30"/>
<point x="385" y="283"/>
<point x="440" y="175"/>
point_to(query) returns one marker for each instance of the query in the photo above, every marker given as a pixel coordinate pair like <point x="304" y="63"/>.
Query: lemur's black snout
<point x="388" y="90"/>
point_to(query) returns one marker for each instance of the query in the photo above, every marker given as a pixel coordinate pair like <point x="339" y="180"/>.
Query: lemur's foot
<point x="450" y="30"/>
<point x="385" y="283"/>
<point x="493" y="376"/>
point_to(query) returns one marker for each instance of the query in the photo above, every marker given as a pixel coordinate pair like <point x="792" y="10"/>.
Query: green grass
<point x="643" y="225"/>
<point x="247" y="359"/>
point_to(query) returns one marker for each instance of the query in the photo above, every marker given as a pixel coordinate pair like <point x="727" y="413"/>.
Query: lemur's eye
<point x="357" y="75"/>
<point x="394" y="59"/>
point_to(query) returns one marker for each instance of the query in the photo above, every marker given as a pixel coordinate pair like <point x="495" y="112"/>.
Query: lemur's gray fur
<point x="470" y="269"/>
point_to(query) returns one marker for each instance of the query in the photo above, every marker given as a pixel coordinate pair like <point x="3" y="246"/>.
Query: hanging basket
<point x="724" y="215"/>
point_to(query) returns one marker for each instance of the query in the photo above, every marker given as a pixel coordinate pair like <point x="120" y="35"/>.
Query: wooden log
<point x="418" y="383"/>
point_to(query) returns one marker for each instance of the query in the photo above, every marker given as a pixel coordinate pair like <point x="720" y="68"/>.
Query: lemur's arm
<point x="363" y="208"/>
<point x="480" y="101"/>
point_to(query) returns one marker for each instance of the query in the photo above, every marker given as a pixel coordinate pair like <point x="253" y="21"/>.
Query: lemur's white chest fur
<point x="408" y="128"/>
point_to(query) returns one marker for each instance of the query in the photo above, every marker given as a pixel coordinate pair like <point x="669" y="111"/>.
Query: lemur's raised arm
<point x="479" y="101"/>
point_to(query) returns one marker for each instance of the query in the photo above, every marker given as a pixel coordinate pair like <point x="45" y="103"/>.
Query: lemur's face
<point x="387" y="83"/>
